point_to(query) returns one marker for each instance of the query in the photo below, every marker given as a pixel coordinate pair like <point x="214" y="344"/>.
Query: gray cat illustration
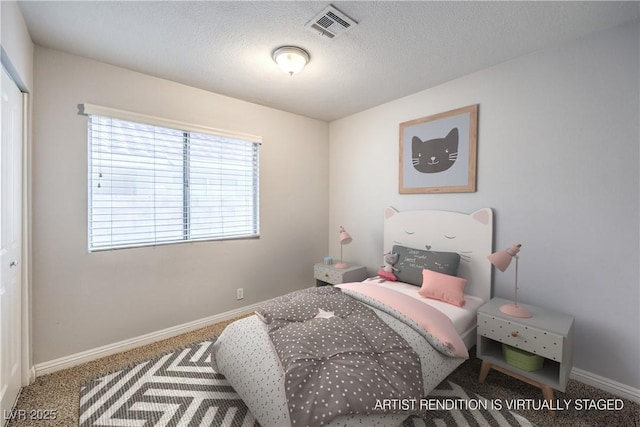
<point x="435" y="155"/>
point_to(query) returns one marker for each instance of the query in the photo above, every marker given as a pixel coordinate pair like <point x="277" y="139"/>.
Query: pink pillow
<point x="443" y="287"/>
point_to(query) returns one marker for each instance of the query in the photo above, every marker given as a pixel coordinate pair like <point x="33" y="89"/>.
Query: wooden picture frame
<point x="438" y="153"/>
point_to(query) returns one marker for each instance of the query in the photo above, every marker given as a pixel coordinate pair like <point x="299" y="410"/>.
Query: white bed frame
<point x="244" y="354"/>
<point x="470" y="235"/>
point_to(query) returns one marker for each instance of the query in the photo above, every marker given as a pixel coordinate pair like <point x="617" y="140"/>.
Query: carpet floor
<point x="60" y="391"/>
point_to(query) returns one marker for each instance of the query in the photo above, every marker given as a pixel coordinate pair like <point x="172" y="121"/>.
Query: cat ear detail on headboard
<point x="390" y="211"/>
<point x="483" y="216"/>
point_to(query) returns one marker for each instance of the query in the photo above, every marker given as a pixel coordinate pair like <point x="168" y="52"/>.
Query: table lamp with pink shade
<point x="501" y="261"/>
<point x="345" y="239"/>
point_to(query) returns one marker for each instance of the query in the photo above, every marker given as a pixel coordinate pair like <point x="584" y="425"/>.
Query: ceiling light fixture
<point x="291" y="59"/>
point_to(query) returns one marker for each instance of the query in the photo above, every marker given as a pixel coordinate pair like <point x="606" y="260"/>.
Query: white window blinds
<point x="150" y="184"/>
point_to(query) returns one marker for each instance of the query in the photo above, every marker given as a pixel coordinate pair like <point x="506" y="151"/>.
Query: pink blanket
<point x="434" y="321"/>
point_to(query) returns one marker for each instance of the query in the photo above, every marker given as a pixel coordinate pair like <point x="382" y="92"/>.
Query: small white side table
<point x="547" y="333"/>
<point x="328" y="274"/>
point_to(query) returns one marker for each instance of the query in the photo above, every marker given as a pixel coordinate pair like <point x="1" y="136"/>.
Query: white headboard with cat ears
<point x="470" y="235"/>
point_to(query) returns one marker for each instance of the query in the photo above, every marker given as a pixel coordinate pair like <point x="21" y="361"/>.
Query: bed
<point x="246" y="355"/>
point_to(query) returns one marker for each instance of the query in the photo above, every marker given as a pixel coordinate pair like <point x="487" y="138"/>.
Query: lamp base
<point x="515" y="310"/>
<point x="341" y="265"/>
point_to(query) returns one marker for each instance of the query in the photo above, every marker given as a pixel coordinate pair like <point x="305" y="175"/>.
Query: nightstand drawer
<point x="327" y="274"/>
<point x="537" y="341"/>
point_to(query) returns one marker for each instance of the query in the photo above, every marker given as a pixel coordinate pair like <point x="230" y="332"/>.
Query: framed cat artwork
<point x="438" y="153"/>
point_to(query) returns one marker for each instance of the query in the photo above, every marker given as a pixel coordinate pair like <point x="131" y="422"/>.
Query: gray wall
<point x="558" y="161"/>
<point x="82" y="301"/>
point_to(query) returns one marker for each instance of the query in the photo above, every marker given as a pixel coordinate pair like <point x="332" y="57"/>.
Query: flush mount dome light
<point x="291" y="59"/>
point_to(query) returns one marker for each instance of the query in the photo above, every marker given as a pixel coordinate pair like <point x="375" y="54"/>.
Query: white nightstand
<point x="328" y="274"/>
<point x="547" y="333"/>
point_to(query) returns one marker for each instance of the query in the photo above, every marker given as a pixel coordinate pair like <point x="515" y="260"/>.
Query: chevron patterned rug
<point x="181" y="389"/>
<point x="178" y="389"/>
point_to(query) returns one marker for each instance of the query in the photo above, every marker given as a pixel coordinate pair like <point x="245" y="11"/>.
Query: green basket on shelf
<point x="521" y="359"/>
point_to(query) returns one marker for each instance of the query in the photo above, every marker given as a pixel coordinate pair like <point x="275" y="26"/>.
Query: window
<point x="151" y="184"/>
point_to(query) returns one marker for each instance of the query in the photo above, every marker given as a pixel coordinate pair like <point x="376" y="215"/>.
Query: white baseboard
<point x="72" y="360"/>
<point x="606" y="384"/>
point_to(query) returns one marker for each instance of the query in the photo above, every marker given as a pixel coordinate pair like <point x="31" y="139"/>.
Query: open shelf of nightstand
<point x="492" y="352"/>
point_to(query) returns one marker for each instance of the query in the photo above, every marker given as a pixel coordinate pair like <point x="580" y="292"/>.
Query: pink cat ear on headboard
<point x="389" y="212"/>
<point x="483" y="216"/>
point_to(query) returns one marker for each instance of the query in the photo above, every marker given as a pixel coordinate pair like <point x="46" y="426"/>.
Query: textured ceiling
<point x="397" y="48"/>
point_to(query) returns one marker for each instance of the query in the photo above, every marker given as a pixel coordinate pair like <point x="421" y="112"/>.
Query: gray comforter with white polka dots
<point x="338" y="356"/>
<point x="244" y="353"/>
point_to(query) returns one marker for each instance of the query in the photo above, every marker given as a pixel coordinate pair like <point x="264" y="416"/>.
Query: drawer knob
<point x="514" y="334"/>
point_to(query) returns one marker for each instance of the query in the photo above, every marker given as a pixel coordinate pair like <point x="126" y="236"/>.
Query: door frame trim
<point x="28" y="371"/>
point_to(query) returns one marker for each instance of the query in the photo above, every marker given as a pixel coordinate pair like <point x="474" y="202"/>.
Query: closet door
<point x="10" y="244"/>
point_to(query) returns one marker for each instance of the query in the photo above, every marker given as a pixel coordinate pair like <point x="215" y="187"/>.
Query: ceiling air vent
<point x="330" y="22"/>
